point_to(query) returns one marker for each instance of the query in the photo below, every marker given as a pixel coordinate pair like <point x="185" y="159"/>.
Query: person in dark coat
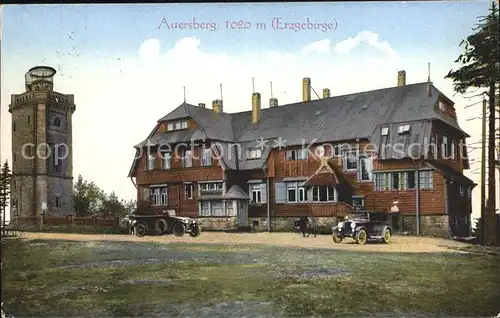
<point x="304" y="225"/>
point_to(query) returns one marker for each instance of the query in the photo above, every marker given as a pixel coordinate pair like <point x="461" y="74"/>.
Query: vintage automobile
<point x="363" y="226"/>
<point x="163" y="224"/>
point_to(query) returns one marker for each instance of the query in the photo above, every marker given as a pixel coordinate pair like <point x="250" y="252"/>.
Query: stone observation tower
<point x="42" y="156"/>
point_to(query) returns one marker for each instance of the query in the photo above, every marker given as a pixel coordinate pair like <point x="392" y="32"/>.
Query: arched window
<point x="56" y="122"/>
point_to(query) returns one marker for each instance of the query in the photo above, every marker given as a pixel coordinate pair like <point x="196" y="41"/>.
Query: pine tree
<point x="5" y="177"/>
<point x="480" y="68"/>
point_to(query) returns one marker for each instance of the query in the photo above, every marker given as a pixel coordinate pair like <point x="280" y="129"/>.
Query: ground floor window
<point x="216" y="208"/>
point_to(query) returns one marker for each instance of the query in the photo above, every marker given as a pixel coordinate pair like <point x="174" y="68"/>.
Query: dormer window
<point x="254" y="154"/>
<point x="404" y="129"/>
<point x="178" y="125"/>
<point x="151" y="162"/>
<point x="385" y="131"/>
<point x="443" y="106"/>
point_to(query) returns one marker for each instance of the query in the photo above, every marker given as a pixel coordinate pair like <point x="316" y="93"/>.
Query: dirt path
<point x="408" y="244"/>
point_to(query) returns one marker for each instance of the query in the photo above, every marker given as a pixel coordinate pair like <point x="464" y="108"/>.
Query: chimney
<point x="326" y="93"/>
<point x="306" y="89"/>
<point x="255" y="108"/>
<point x="401" y="78"/>
<point x="202" y="105"/>
<point x="429" y="89"/>
<point x="273" y="102"/>
<point x="217" y="105"/>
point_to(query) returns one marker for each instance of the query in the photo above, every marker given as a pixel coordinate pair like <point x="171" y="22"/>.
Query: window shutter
<point x="263" y="193"/>
<point x="280" y="194"/>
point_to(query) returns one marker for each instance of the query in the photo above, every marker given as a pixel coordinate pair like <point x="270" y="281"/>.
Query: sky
<point x="127" y="64"/>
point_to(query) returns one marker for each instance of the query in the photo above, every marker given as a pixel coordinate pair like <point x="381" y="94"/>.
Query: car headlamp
<point x="353" y="225"/>
<point x="341" y="224"/>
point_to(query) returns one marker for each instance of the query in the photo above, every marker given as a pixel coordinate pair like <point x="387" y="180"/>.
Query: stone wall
<point x="433" y="225"/>
<point x="430" y="225"/>
<point x="219" y="223"/>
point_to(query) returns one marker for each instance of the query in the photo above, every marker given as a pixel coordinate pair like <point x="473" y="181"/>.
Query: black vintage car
<point x="363" y="226"/>
<point x="163" y="224"/>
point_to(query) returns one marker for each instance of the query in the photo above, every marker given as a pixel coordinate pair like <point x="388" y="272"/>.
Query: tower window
<point x="58" y="202"/>
<point x="56" y="122"/>
<point x="13" y="126"/>
<point x="29" y="119"/>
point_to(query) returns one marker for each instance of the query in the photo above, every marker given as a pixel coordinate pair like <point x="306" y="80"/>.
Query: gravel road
<point x="401" y="244"/>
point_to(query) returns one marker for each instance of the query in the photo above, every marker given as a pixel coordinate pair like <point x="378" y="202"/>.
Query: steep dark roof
<point x="449" y="173"/>
<point x="339" y="118"/>
<point x="235" y="192"/>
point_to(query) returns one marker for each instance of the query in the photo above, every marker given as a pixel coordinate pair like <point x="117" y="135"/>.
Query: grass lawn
<point x="63" y="278"/>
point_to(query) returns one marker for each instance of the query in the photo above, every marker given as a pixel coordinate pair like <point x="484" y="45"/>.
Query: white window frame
<point x="215" y="211"/>
<point x="422" y="176"/>
<point x="330" y="197"/>
<point x="178" y="125"/>
<point x="385" y="131"/>
<point x="369" y="167"/>
<point x="446" y="146"/>
<point x="150" y="165"/>
<point x="229" y="208"/>
<point x="292" y="186"/>
<point x="167" y="160"/>
<point x="187" y="158"/>
<point x="302" y="195"/>
<point x="206" y="159"/>
<point x="170" y="126"/>
<point x="382" y="181"/>
<point x="256" y="190"/>
<point x="205" y="208"/>
<point x="403" y="129"/>
<point x="159" y="196"/>
<point x="188" y="194"/>
<point x="462" y="190"/>
<point x="358" y="198"/>
<point x="254" y="153"/>
<point x="347" y="155"/>
<point x="184" y="124"/>
<point x="296" y="154"/>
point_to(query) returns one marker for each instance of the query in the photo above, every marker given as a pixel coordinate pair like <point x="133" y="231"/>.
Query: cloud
<point x="321" y="46"/>
<point x="150" y="49"/>
<point x="368" y="37"/>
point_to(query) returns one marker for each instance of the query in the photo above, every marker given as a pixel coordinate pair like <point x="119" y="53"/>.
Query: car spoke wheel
<point x="160" y="226"/>
<point x="387" y="236"/>
<point x="361" y="237"/>
<point x="195" y="231"/>
<point x="337" y="239"/>
<point x="140" y="229"/>
<point x="179" y="229"/>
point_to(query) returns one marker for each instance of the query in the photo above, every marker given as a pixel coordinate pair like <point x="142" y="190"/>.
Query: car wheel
<point x="160" y="226"/>
<point x="387" y="236"/>
<point x="195" y="231"/>
<point x="179" y="229"/>
<point x="361" y="237"/>
<point x="140" y="229"/>
<point x="337" y="239"/>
